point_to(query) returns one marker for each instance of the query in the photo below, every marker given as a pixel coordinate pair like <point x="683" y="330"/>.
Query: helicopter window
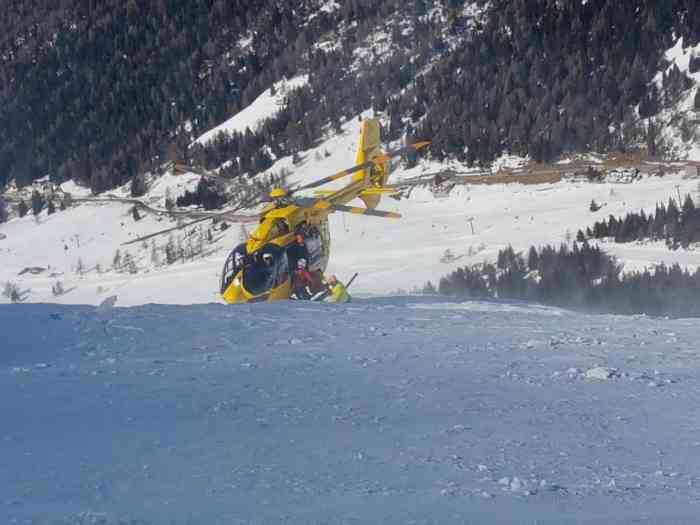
<point x="269" y="268"/>
<point x="279" y="227"/>
<point x="314" y="247"/>
<point x="235" y="262"/>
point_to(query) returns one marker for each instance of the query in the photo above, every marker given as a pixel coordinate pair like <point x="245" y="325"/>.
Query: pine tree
<point x="169" y="202"/>
<point x="138" y="186"/>
<point x="4" y="214"/>
<point x="37" y="202"/>
<point x="694" y="65"/>
<point x="57" y="289"/>
<point x="51" y="207"/>
<point x="533" y="259"/>
<point x="130" y="263"/>
<point x="117" y="261"/>
<point x="22" y="208"/>
<point x="11" y="291"/>
<point x="688" y="222"/>
<point x="697" y="100"/>
<point x="180" y="250"/>
<point x="170" y="251"/>
<point x="67" y="201"/>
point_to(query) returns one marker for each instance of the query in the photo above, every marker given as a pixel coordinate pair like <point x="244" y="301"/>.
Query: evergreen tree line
<point x="679" y="227"/>
<point x="205" y="195"/>
<point x="4" y="211"/>
<point x="38" y="203"/>
<point x="538" y="78"/>
<point x="578" y="277"/>
<point x="102" y="91"/>
<point x="549" y="76"/>
<point x="339" y="88"/>
<point x="188" y="246"/>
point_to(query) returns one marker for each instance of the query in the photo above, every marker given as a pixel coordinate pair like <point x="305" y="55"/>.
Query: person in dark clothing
<point x="298" y="250"/>
<point x="306" y="283"/>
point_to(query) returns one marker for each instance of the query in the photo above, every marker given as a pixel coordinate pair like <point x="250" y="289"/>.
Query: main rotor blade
<point x="365" y="211"/>
<point x="359" y="167"/>
<point x="321" y="204"/>
<point x="234" y="218"/>
<point x="335" y="176"/>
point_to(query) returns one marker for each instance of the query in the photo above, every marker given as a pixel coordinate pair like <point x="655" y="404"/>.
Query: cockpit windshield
<point x="267" y="269"/>
<point x="235" y="262"/>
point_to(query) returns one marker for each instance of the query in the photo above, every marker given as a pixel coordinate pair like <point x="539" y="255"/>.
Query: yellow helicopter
<point x="292" y="227"/>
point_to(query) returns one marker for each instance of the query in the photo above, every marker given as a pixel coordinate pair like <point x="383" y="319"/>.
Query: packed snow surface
<point x="379" y="411"/>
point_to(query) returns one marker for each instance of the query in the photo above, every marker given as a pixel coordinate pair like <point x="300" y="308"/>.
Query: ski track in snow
<point x="397" y="410"/>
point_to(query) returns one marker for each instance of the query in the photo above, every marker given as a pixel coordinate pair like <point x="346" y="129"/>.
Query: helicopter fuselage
<point x="261" y="269"/>
<point x="295" y="227"/>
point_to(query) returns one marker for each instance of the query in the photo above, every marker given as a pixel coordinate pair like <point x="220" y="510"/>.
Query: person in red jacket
<point x="306" y="283"/>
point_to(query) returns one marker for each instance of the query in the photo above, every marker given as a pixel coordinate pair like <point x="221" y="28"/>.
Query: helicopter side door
<point x="314" y="247"/>
<point x="324" y="238"/>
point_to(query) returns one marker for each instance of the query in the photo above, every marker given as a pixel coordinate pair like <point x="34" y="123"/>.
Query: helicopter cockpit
<point x="235" y="262"/>
<point x="263" y="270"/>
<point x="268" y="269"/>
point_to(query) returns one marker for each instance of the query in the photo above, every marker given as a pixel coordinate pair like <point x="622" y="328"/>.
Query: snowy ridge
<point x="382" y="411"/>
<point x="265" y="106"/>
<point x="683" y="143"/>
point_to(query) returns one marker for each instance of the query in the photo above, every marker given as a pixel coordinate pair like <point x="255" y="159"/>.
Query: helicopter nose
<point x="234" y="294"/>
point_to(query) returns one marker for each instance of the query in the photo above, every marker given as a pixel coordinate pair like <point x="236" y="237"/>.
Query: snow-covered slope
<point x="265" y="106"/>
<point x="389" y="255"/>
<point x="680" y="131"/>
<point x="382" y="411"/>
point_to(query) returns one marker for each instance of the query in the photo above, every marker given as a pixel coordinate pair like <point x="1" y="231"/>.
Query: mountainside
<point x="441" y="229"/>
<point x="101" y="92"/>
<point x="482" y="80"/>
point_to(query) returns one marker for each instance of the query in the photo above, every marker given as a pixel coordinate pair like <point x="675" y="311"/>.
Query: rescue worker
<point x="306" y="283"/>
<point x="298" y="250"/>
<point x="239" y="260"/>
<point x="339" y="293"/>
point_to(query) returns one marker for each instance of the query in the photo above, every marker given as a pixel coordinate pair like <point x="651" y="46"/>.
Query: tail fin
<point x="370" y="146"/>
